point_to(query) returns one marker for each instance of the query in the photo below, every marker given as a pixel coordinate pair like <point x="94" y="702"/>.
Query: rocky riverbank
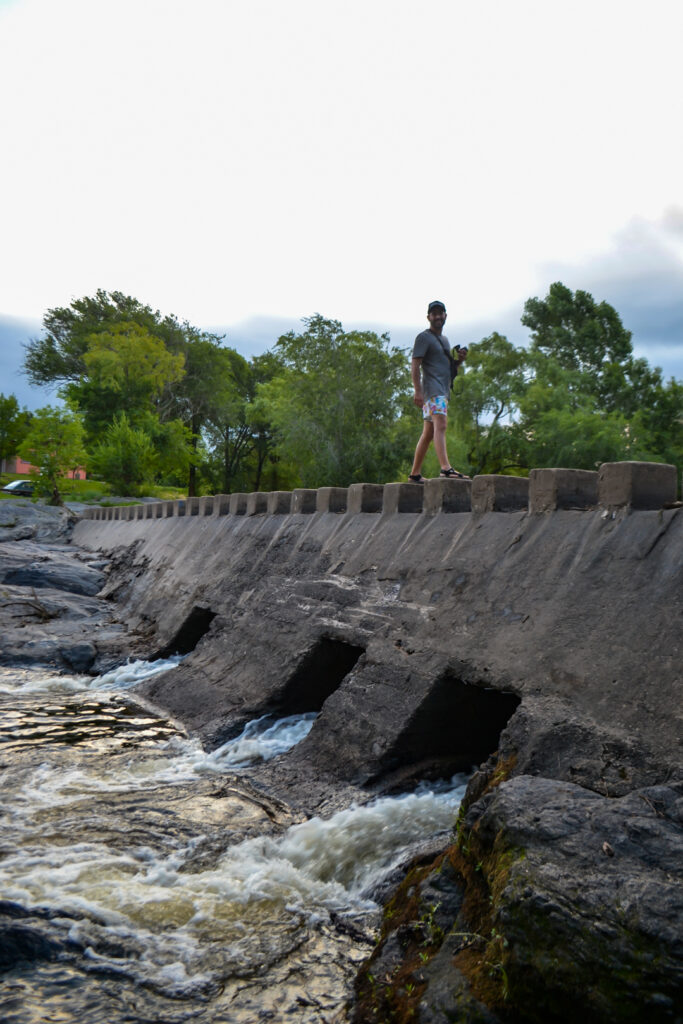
<point x="50" y="614"/>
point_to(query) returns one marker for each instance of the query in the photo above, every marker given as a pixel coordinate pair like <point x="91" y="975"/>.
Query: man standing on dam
<point x="433" y="368"/>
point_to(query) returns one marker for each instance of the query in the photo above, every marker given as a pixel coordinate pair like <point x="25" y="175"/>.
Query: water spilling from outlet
<point x="144" y="880"/>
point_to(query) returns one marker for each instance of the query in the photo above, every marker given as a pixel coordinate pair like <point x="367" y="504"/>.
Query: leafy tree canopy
<point x="335" y="403"/>
<point x="14" y="425"/>
<point x="126" y="457"/>
<point x="576" y="397"/>
<point x="55" y="443"/>
<point x="587" y="338"/>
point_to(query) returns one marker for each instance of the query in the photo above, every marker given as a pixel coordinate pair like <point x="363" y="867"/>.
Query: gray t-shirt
<point x="436" y="367"/>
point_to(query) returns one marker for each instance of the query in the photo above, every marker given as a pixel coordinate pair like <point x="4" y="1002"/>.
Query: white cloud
<point x="222" y="160"/>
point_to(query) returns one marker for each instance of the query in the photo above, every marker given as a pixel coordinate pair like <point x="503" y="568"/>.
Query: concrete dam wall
<point x="419" y="621"/>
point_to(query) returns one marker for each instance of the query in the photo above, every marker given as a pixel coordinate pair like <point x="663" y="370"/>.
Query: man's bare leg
<point x="440" y="424"/>
<point x="422" y="446"/>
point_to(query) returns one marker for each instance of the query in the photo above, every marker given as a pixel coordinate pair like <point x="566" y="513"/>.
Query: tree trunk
<point x="192" y="475"/>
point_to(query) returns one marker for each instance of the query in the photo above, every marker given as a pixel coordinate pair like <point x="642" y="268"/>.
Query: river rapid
<point x="144" y="880"/>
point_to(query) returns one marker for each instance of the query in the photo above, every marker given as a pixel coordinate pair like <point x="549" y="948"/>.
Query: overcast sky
<point x="247" y="164"/>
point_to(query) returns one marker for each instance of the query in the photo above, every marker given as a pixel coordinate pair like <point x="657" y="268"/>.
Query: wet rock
<point x="27" y="520"/>
<point x="50" y="621"/>
<point x="570" y="924"/>
<point x="71" y="577"/>
<point x="20" y="942"/>
<point x="80" y="656"/>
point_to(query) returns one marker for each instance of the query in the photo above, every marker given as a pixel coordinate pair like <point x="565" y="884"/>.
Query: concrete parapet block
<point x="304" y="499"/>
<point x="639" y="485"/>
<point x="279" y="503"/>
<point x="492" y="492"/>
<point x="139" y="511"/>
<point x="257" y="503"/>
<point x="157" y="510"/>
<point x="402" y="498"/>
<point x="179" y="507"/>
<point x="206" y="505"/>
<point x="238" y="503"/>
<point x="168" y="509"/>
<point x="192" y="506"/>
<point x="365" y="498"/>
<point x="117" y="512"/>
<point x="550" y="489"/>
<point x="447" y="496"/>
<point x="332" y="499"/>
<point x="221" y="505"/>
<point x="150" y="510"/>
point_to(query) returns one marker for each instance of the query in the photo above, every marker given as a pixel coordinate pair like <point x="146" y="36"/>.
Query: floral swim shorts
<point x="438" y="404"/>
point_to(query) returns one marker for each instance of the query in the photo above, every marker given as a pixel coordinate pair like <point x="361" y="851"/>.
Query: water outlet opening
<point x="457" y="726"/>
<point x="186" y="638"/>
<point x="318" y="675"/>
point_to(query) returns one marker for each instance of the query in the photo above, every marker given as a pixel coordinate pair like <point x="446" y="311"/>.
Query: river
<point x="145" y="880"/>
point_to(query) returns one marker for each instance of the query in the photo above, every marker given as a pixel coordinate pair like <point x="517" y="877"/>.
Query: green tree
<point x="55" y="443"/>
<point x="125" y="369"/>
<point x="14" y="425"/>
<point x="59" y="355"/>
<point x="126" y="457"/>
<point x="590" y="400"/>
<point x="486" y="397"/>
<point x="335" y="403"/>
<point x="210" y="393"/>
<point x="110" y="353"/>
<point x="588" y="339"/>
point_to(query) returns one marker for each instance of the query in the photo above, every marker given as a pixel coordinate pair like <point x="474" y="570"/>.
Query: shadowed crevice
<point x="319" y="674"/>
<point x="186" y="638"/>
<point x="457" y="726"/>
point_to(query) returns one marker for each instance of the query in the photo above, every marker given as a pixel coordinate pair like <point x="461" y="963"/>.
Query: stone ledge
<point x="332" y="499"/>
<point x="238" y="504"/>
<point x="447" y="496"/>
<point x="496" y="493"/>
<point x="304" y="500"/>
<point x="221" y="505"/>
<point x="365" y="498"/>
<point x="257" y="503"/>
<point x="399" y="498"/>
<point x="550" y="489"/>
<point x="638" y="485"/>
<point x="279" y="503"/>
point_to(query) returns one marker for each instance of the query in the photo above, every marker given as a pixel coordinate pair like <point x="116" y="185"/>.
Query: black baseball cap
<point x="436" y="304"/>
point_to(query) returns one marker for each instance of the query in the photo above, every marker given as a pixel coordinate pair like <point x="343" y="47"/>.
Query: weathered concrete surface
<point x="564" y="879"/>
<point x="579" y="607"/>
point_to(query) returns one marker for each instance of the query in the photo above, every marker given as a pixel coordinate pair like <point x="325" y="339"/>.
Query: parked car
<point x="20" y="487"/>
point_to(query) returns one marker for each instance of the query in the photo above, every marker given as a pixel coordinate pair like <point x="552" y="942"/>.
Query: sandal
<point x="452" y="474"/>
<point x="417" y="478"/>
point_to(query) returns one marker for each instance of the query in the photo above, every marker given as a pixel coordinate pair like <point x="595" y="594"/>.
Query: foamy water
<point x="135" y="848"/>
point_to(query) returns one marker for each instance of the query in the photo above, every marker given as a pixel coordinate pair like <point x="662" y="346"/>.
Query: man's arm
<point x="418" y="397"/>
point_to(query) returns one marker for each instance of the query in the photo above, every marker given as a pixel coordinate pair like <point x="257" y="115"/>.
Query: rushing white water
<point x="154" y="871"/>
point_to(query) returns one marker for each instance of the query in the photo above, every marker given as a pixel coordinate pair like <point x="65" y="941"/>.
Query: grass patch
<point x="92" y="491"/>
